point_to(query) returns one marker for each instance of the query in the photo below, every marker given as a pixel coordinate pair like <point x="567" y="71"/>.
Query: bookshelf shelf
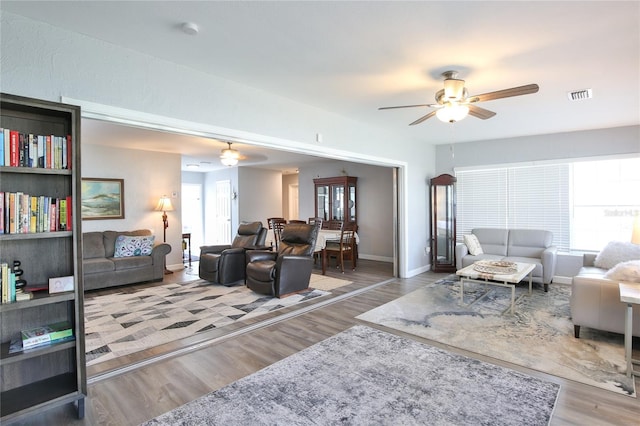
<point x="41" y="378"/>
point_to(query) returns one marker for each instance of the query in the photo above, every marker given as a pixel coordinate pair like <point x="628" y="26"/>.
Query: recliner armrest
<point x="258" y="255"/>
<point x="214" y="249"/>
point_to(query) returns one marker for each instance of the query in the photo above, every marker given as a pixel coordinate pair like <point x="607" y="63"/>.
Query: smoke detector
<point x="190" y="28"/>
<point x="578" y="95"/>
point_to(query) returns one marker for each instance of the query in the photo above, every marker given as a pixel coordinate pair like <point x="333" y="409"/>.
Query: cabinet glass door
<point x="337" y="202"/>
<point x="443" y="223"/>
<point x="351" y="203"/>
<point x="323" y="202"/>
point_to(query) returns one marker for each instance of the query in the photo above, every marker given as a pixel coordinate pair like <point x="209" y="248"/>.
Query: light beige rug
<point x="122" y="323"/>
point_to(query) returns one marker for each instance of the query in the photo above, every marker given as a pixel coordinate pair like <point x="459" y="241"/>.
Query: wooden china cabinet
<point x="336" y="200"/>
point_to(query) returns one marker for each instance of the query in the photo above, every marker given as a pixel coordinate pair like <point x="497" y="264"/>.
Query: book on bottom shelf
<point x="46" y="334"/>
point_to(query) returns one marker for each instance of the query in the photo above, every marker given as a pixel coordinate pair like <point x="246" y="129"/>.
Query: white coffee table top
<point x="523" y="270"/>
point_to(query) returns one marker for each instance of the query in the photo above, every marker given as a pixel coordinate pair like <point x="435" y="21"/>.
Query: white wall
<point x="47" y="62"/>
<point x="259" y="195"/>
<point x="147" y="177"/>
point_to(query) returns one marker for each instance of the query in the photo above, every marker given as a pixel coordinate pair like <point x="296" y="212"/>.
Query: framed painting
<point x="102" y="198"/>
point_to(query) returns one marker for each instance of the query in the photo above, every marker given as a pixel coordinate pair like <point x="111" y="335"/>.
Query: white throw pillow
<point x="616" y="252"/>
<point x="472" y="243"/>
<point x="625" y="271"/>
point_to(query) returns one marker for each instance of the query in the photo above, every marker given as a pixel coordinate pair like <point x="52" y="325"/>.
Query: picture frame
<point x="102" y="198"/>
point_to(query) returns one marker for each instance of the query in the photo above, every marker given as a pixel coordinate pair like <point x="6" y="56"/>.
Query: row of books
<point x="19" y="149"/>
<point x="22" y="213"/>
<point x="9" y="293"/>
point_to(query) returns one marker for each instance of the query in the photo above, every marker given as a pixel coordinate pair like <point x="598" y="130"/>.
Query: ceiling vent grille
<point x="578" y="95"/>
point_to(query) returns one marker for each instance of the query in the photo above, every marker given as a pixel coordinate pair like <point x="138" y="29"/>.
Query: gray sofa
<point x="595" y="301"/>
<point x="514" y="245"/>
<point x="101" y="269"/>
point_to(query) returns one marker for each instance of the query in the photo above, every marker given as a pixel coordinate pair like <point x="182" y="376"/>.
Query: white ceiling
<point x="352" y="57"/>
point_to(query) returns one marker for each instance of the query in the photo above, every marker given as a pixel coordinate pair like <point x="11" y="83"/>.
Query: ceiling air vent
<point x="578" y="95"/>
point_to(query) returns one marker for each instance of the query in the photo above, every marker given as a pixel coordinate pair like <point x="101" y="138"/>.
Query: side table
<point x="629" y="294"/>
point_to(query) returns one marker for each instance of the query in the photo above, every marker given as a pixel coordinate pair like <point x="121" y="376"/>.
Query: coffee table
<point x="509" y="280"/>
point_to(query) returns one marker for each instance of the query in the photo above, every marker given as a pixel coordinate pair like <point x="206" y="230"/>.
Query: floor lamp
<point x="164" y="205"/>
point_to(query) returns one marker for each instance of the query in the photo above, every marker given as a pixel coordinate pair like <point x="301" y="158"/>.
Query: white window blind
<point x="530" y="197"/>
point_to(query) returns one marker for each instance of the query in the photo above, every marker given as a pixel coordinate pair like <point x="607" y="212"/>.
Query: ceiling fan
<point x="453" y="103"/>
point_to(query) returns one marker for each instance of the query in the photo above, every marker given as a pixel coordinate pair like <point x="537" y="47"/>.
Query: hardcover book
<point x="46" y="334"/>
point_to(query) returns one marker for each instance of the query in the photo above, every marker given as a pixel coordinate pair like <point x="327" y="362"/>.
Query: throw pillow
<point x="472" y="243"/>
<point x="625" y="271"/>
<point x="616" y="252"/>
<point x="127" y="246"/>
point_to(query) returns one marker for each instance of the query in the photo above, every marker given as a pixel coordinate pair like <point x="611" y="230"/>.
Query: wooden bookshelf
<point x="38" y="379"/>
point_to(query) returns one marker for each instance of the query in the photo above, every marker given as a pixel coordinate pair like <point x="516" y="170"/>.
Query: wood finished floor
<point x="150" y="390"/>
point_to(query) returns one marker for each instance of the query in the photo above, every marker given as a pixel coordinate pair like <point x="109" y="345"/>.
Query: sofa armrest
<point x="213" y="249"/>
<point x="549" y="259"/>
<point x="588" y="259"/>
<point x="159" y="251"/>
<point x="461" y="251"/>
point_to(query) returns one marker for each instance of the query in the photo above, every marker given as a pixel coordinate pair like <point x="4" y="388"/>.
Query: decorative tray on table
<point x="495" y="267"/>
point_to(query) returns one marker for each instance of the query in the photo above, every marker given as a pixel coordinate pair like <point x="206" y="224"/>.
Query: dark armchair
<point x="289" y="269"/>
<point x="225" y="264"/>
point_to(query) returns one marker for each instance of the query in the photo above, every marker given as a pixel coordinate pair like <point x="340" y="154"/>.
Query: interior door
<point x="192" y="214"/>
<point x="223" y="212"/>
<point x="294" y="212"/>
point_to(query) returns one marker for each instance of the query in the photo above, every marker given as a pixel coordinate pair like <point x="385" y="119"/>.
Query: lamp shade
<point x="164" y="205"/>
<point x="635" y="234"/>
<point x="452" y="112"/>
<point x="229" y="156"/>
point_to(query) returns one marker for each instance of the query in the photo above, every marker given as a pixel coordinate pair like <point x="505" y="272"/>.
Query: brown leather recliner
<point x="225" y="264"/>
<point x="289" y="269"/>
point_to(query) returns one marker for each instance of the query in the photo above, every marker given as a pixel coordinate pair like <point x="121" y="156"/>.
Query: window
<point x="585" y="204"/>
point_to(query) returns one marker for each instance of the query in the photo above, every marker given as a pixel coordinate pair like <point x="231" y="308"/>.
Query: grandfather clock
<point x="443" y="223"/>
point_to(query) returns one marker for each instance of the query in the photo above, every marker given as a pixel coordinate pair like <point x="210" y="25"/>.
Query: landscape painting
<point x="102" y="198"/>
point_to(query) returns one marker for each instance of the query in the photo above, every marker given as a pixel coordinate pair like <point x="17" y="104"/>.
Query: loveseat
<point x="138" y="259"/>
<point x="514" y="245"/>
<point x="595" y="294"/>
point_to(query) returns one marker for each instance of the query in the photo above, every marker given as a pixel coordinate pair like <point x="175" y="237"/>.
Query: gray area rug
<point x="136" y="319"/>
<point x="539" y="335"/>
<point x="365" y="376"/>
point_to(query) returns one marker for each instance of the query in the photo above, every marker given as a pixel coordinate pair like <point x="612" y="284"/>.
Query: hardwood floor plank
<point x="149" y="391"/>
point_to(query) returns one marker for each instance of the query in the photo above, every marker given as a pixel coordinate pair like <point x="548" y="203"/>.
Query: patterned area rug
<point x="127" y="322"/>
<point x="539" y="335"/>
<point x="365" y="376"/>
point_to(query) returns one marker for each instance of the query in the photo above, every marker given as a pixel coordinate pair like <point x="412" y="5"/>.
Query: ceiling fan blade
<point x="506" y="93"/>
<point x="423" y="118"/>
<point x="405" y="106"/>
<point x="481" y="113"/>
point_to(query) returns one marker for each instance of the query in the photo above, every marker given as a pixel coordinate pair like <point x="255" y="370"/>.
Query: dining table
<point x="324" y="235"/>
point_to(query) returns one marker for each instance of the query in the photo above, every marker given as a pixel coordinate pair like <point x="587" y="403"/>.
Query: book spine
<point x="2" y="215"/>
<point x="5" y="282"/>
<point x="7" y="148"/>
<point x="14" y="148"/>
<point x="1" y="146"/>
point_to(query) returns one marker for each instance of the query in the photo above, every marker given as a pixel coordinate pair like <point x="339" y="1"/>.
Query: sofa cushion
<point x="492" y="240"/>
<point x="625" y="271"/>
<point x="110" y="239"/>
<point x="127" y="246"/>
<point x="528" y="242"/>
<point x="93" y="266"/>
<point x="92" y="245"/>
<point x="134" y="262"/>
<point x="616" y="252"/>
<point x="473" y="245"/>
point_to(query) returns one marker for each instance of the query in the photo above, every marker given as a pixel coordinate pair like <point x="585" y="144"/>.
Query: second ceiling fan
<point x="453" y="103"/>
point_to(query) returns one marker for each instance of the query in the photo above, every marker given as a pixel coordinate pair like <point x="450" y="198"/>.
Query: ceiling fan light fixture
<point x="229" y="156"/>
<point x="453" y="89"/>
<point x="452" y="112"/>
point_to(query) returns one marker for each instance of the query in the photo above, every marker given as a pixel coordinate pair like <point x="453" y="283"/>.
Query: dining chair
<point x="277" y="225"/>
<point x="314" y="220"/>
<point x="335" y="225"/>
<point x="296" y="221"/>
<point x="342" y="249"/>
<point x="269" y="219"/>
